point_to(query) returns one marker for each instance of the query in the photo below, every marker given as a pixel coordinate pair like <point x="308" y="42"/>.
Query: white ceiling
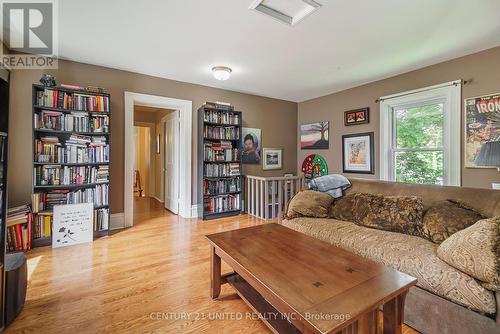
<point x="344" y="44"/>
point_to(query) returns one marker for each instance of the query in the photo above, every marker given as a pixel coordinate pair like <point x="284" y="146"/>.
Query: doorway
<point x="170" y="139"/>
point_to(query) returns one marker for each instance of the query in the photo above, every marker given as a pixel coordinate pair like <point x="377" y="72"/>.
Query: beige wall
<point x="482" y="68"/>
<point x="276" y="118"/>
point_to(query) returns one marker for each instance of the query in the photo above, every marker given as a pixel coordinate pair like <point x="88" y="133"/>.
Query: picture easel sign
<point x="73" y="224"/>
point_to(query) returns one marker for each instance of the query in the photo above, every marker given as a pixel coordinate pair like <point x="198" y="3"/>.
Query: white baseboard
<point x="156" y="198"/>
<point x="196" y="210"/>
<point x="117" y="221"/>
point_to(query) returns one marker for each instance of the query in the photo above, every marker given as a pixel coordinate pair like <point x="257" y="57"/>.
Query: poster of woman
<point x="251" y="146"/>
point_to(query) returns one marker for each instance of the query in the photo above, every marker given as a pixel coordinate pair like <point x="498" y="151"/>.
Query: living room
<point x="312" y="167"/>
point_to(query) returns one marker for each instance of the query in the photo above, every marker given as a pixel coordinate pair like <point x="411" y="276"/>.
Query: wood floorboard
<point x="151" y="278"/>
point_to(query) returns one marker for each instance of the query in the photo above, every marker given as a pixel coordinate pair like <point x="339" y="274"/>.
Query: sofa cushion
<point x="401" y="214"/>
<point x="409" y="254"/>
<point x="448" y="217"/>
<point x="342" y="208"/>
<point x="476" y="251"/>
<point x="309" y="203"/>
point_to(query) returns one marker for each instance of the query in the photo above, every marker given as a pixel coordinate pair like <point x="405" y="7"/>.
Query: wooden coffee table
<point x="299" y="284"/>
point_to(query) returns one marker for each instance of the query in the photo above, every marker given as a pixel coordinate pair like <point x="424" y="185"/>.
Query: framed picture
<point x="314" y="136"/>
<point x="482" y="125"/>
<point x="272" y="158"/>
<point x="251" y="146"/>
<point x="358" y="116"/>
<point x="358" y="153"/>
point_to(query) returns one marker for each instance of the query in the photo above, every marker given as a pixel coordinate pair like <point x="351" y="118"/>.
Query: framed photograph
<point x="358" y="153"/>
<point x="272" y="158"/>
<point x="358" y="116"/>
<point x="314" y="136"/>
<point x="251" y="146"/>
<point x="482" y="125"/>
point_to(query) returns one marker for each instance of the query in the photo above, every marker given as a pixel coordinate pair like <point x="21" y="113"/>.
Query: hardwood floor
<point x="151" y="278"/>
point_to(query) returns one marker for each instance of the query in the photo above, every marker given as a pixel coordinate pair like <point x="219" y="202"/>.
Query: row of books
<point x="221" y="170"/>
<point x="214" y="187"/>
<point x="214" y="116"/>
<point x="221" y="132"/>
<point x="50" y="150"/>
<point x="19" y="228"/>
<point x="90" y="89"/>
<point x="76" y="121"/>
<point x="221" y="203"/>
<point x="46" y="200"/>
<point x="222" y="151"/>
<point x="55" y="175"/>
<point x="42" y="226"/>
<point x="101" y="219"/>
<point x="54" y="98"/>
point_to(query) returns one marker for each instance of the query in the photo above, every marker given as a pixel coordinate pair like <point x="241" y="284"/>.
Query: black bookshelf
<point x="89" y="110"/>
<point x="220" y="178"/>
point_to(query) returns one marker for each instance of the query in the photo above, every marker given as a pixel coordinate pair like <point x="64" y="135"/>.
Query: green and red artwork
<point x="314" y="165"/>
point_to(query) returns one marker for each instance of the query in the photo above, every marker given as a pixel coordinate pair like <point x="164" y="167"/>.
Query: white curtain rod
<point x="451" y="83"/>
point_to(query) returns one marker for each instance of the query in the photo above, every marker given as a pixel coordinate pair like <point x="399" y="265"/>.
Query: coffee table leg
<point x="215" y="273"/>
<point x="394" y="314"/>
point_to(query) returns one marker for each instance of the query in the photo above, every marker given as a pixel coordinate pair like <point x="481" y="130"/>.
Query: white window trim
<point x="449" y="92"/>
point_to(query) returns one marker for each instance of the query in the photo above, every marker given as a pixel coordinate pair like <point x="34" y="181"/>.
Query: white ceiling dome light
<point x="221" y="72"/>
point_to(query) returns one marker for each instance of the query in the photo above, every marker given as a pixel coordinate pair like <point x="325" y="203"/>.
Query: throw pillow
<point x="309" y="203"/>
<point x="401" y="214"/>
<point x="475" y="250"/>
<point x="343" y="208"/>
<point x="448" y="217"/>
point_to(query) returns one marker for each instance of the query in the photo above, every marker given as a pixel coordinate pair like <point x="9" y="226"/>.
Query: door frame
<point x="185" y="108"/>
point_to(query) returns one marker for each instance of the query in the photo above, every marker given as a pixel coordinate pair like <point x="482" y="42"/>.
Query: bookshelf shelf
<point x="219" y="167"/>
<point x="70" y="125"/>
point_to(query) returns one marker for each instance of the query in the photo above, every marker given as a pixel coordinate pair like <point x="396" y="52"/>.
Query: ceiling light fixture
<point x="221" y="72"/>
<point x="288" y="11"/>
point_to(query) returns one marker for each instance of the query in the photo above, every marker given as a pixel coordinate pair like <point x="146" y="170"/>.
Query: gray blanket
<point x="332" y="184"/>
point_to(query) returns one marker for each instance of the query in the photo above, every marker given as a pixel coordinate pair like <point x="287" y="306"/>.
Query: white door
<point x="171" y="171"/>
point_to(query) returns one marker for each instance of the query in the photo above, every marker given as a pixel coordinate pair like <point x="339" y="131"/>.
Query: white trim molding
<point x="185" y="108"/>
<point x="450" y="94"/>
<point x="196" y="210"/>
<point x="117" y="221"/>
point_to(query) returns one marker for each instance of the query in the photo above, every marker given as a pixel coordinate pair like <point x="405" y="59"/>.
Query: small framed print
<point x="358" y="116"/>
<point x="358" y="153"/>
<point x="272" y="158"/>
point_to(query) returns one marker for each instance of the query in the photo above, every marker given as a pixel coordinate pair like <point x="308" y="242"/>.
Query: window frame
<point x="450" y="95"/>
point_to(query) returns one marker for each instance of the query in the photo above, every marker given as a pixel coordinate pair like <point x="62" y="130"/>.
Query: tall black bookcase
<point x="219" y="161"/>
<point x="71" y="155"/>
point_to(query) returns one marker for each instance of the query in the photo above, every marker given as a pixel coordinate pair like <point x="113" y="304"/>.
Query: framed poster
<point x="272" y="158"/>
<point x="251" y="146"/>
<point x="358" y="116"/>
<point x="73" y="224"/>
<point x="358" y="153"/>
<point x="314" y="136"/>
<point x="482" y="124"/>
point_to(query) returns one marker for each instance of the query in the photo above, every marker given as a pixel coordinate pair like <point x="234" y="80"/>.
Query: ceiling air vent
<point x="287" y="11"/>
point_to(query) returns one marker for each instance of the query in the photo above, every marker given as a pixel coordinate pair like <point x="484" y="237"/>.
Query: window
<point x="420" y="136"/>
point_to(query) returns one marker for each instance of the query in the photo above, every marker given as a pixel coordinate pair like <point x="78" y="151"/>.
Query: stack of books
<point x="19" y="228"/>
<point x="67" y="100"/>
<point x="222" y="170"/>
<point x="221" y="132"/>
<point x="215" y="116"/>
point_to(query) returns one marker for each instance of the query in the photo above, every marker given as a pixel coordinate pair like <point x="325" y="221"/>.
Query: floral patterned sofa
<point x="446" y="299"/>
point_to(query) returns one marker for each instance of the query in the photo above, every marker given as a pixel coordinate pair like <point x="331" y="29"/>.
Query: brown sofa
<point x="445" y="299"/>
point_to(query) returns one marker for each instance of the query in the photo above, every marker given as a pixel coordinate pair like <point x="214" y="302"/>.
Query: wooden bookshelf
<point x="220" y="177"/>
<point x="71" y="154"/>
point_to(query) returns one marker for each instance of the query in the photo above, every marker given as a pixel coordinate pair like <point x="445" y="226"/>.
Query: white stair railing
<point x="268" y="196"/>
